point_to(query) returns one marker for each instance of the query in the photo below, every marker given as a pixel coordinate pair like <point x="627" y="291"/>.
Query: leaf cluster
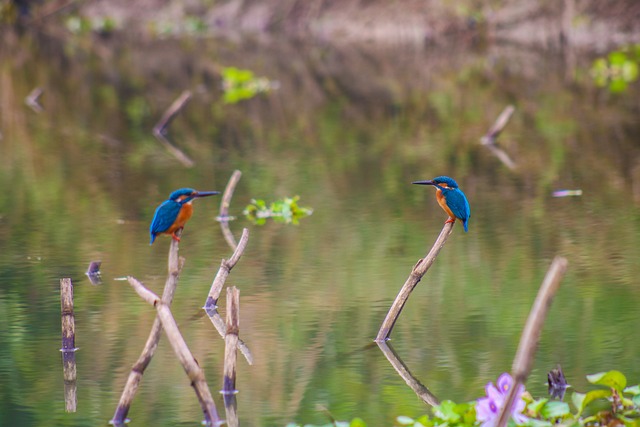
<point x="618" y="69"/>
<point x="285" y="211"/>
<point x="239" y="84"/>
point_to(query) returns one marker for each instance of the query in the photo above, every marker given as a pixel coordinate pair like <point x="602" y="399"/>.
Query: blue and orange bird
<point x="174" y="213"/>
<point x="451" y="199"/>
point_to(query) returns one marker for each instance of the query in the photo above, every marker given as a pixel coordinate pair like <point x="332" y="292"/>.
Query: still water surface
<point x="348" y="130"/>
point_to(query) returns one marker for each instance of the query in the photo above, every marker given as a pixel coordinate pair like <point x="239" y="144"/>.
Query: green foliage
<point x="239" y="84"/>
<point x="618" y="69"/>
<point x="614" y="405"/>
<point x="285" y="210"/>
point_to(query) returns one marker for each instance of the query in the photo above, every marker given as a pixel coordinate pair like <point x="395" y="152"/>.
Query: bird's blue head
<point x="185" y="195"/>
<point x="440" y="182"/>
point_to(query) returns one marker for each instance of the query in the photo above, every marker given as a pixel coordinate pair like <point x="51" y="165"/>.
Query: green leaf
<point x="555" y="409"/>
<point x="447" y="411"/>
<point x="532" y="422"/>
<point x="613" y="379"/>
<point x="636" y="400"/>
<point x="357" y="422"/>
<point x="593" y="395"/>
<point x="635" y="390"/>
<point x="404" y="420"/>
<point x="578" y="401"/>
<point x="537" y="405"/>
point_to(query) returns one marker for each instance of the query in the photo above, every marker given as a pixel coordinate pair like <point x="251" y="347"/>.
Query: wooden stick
<point x="160" y="129"/>
<point x="210" y="305"/>
<point x="523" y="361"/>
<point x="414" y="278"/>
<point x="189" y="363"/>
<point x="418" y="388"/>
<point x="135" y="376"/>
<point x="231" y="341"/>
<point x="68" y="345"/>
<point x="224" y="209"/>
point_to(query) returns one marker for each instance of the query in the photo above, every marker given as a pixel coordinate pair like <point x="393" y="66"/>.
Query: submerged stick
<point x="414" y="278"/>
<point x="135" y="376"/>
<point x="68" y="345"/>
<point x="523" y="361"/>
<point x="231" y="341"/>
<point x="224" y="209"/>
<point x="160" y="129"/>
<point x="490" y="138"/>
<point x="210" y="306"/>
<point x="418" y="388"/>
<point x="32" y="100"/>
<point x="184" y="355"/>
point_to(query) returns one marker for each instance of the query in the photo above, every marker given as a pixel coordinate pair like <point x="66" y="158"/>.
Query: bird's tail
<point x="466" y="225"/>
<point x="153" y="238"/>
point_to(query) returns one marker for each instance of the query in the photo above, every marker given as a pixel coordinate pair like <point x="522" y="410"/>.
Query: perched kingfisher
<point x="451" y="199"/>
<point x="174" y="213"/>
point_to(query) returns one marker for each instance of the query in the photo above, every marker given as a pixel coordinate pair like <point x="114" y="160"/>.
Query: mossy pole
<point x="414" y="278"/>
<point x="68" y="345"/>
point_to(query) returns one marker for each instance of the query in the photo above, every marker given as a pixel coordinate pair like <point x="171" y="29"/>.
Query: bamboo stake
<point x="418" y="388"/>
<point x="414" y="278"/>
<point x="523" y="361"/>
<point x="224" y="217"/>
<point x="189" y="363"/>
<point x="231" y="341"/>
<point x="216" y="289"/>
<point x="68" y="345"/>
<point x="135" y="376"/>
<point x="160" y="129"/>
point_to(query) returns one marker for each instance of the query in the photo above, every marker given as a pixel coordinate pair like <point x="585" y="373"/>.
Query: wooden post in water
<point x="230" y="356"/>
<point x="68" y="345"/>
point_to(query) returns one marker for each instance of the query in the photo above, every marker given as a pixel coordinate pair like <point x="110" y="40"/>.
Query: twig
<point x="32" y="99"/>
<point x="135" y="376"/>
<point x="418" y="271"/>
<point x="224" y="209"/>
<point x="216" y="287"/>
<point x="231" y="341"/>
<point x="189" y="363"/>
<point x="68" y="345"/>
<point x="531" y="334"/>
<point x="490" y="138"/>
<point x="402" y="370"/>
<point x="160" y="129"/>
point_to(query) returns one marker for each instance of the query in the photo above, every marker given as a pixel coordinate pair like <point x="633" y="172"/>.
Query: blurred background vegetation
<point x="362" y="97"/>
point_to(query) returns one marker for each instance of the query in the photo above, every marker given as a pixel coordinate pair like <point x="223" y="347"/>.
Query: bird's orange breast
<point x="183" y="216"/>
<point x="443" y="203"/>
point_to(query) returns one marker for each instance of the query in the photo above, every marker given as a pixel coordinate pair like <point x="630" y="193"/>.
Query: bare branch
<point x="224" y="209"/>
<point x="160" y="129"/>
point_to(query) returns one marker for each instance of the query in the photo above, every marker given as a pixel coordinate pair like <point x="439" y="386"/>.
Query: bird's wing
<point x="457" y="202"/>
<point x="165" y="215"/>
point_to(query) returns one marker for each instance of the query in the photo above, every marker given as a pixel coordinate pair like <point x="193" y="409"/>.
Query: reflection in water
<point x="348" y="130"/>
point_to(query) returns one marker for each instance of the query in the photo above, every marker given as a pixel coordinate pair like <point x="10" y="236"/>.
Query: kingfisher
<point x="451" y="199"/>
<point x="174" y="213"/>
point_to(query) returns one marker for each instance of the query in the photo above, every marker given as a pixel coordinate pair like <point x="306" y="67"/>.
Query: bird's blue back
<point x="164" y="217"/>
<point x="458" y="203"/>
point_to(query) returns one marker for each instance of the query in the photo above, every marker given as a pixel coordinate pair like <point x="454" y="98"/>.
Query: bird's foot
<point x="450" y="221"/>
<point x="176" y="238"/>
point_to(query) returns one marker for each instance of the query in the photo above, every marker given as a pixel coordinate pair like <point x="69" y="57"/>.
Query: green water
<point x="348" y="130"/>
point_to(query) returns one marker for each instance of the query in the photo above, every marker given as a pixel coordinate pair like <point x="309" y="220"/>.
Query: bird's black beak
<point x="205" y="193"/>
<point x="429" y="182"/>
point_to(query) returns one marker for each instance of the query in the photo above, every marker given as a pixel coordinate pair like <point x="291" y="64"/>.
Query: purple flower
<point x="488" y="408"/>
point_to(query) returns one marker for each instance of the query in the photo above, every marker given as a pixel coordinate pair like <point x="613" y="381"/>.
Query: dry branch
<point x="418" y="388"/>
<point x="210" y="306"/>
<point x="414" y="278"/>
<point x="160" y="129"/>
<point x="531" y="334"/>
<point x="224" y="209"/>
<point x="135" y="376"/>
<point x="189" y="363"/>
